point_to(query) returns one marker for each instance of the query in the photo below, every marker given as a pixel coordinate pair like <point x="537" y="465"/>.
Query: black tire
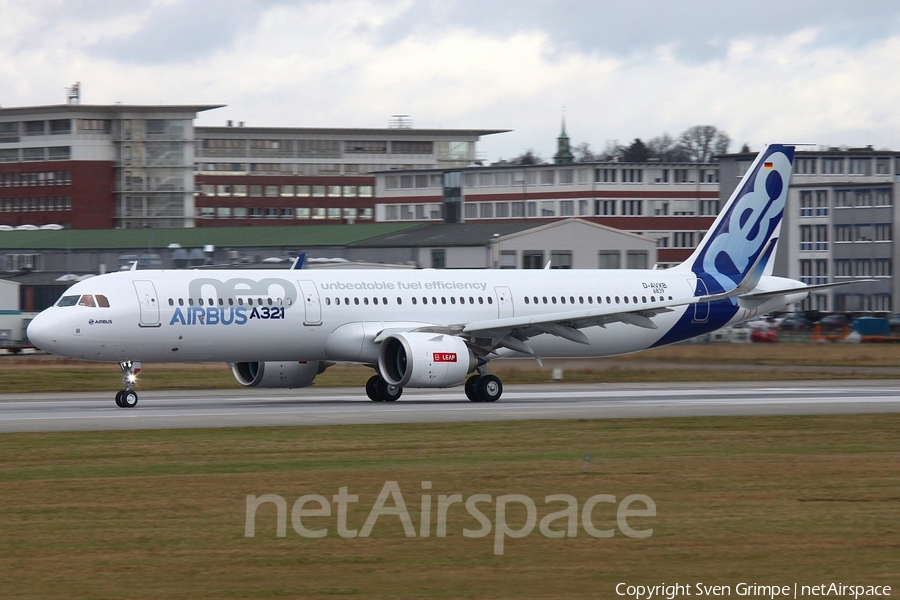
<point x="119" y="395"/>
<point x="490" y="388"/>
<point x="472" y="389"/>
<point x="372" y="388"/>
<point x="388" y="392"/>
<point x="129" y="399"/>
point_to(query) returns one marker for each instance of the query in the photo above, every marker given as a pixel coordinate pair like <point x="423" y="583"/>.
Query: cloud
<point x="814" y="71"/>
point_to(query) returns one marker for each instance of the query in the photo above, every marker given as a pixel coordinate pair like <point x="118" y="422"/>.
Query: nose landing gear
<point x="128" y="398"/>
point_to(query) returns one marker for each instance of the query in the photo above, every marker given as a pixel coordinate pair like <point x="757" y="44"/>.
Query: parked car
<point x="795" y="323"/>
<point x="833" y="322"/>
<point x="764" y="335"/>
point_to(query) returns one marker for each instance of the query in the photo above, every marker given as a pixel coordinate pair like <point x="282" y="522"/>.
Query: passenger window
<point x="327" y="301"/>
<point x="200" y="301"/>
<point x="433" y="300"/>
<point x="375" y="300"/>
<point x="580" y="299"/>
<point x="452" y="300"/>
<point x="102" y="301"/>
<point x="490" y="300"/>
<point x="413" y="299"/>
<point x="526" y="300"/>
<point x="571" y="299"/>
<point x="608" y="302"/>
<point x="356" y="301"/>
<point x="171" y="302"/>
<point x="347" y="301"/>
<point x="231" y="302"/>
<point x="562" y="299"/>
<point x="443" y="300"/>
<point x="399" y="300"/>
<point x="221" y="302"/>
<point x="471" y="300"/>
<point x="86" y="300"/>
<point x="270" y="302"/>
<point x="644" y="299"/>
<point x="384" y="300"/>
<point x="634" y="298"/>
<point x="553" y="299"/>
<point x="181" y="302"/>
<point x="68" y="301"/>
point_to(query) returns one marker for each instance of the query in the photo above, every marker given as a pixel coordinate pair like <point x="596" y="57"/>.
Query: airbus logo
<point x="99" y="321"/>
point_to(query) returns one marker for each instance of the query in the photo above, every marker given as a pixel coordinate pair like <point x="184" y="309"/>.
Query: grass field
<point x="684" y="362"/>
<point x="161" y="514"/>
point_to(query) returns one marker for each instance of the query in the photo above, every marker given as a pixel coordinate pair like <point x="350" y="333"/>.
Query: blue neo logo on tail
<point x="751" y="218"/>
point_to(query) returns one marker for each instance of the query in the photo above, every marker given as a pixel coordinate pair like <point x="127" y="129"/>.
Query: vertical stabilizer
<point x="747" y="223"/>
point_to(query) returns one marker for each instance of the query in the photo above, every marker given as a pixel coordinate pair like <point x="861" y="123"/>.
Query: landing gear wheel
<point x="472" y="388"/>
<point x="119" y="395"/>
<point x="490" y="388"/>
<point x="372" y="388"/>
<point x="387" y="391"/>
<point x="129" y="399"/>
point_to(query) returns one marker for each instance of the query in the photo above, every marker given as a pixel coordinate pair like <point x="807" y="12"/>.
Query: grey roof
<point x="93" y="108"/>
<point x="451" y="234"/>
<point x="345" y="131"/>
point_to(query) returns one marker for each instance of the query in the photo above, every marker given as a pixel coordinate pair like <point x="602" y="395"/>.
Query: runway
<point x="336" y="406"/>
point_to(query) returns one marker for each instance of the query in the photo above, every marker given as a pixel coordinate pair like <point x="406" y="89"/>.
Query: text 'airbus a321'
<point x="427" y="328"/>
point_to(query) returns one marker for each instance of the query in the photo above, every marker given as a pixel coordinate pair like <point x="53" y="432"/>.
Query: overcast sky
<point x="819" y="71"/>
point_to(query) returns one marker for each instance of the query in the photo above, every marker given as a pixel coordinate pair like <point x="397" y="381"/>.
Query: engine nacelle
<point x="420" y="360"/>
<point x="277" y="374"/>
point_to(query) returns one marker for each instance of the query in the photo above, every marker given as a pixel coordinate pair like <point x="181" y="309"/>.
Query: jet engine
<point x="277" y="374"/>
<point x="419" y="360"/>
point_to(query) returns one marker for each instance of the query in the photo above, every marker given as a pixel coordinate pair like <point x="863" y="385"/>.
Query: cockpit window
<point x="68" y="301"/>
<point x="88" y="300"/>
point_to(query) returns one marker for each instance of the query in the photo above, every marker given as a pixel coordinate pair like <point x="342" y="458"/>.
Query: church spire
<point x="563" y="154"/>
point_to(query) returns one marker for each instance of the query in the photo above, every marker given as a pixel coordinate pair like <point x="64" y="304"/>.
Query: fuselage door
<point x="146" y="294"/>
<point x="701" y="309"/>
<point x="310" y="294"/>
<point x="504" y="302"/>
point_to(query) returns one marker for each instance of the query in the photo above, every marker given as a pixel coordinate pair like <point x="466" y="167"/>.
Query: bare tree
<point x="611" y="151"/>
<point x="583" y="153"/>
<point x="529" y="157"/>
<point x="702" y="143"/>
<point x="666" y="149"/>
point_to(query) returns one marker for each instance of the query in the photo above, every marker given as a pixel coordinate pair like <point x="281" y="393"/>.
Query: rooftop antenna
<point x="73" y="94"/>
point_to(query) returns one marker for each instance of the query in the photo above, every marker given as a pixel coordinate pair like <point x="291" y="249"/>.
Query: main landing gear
<point x="484" y="388"/>
<point x="128" y="398"/>
<point x="379" y="390"/>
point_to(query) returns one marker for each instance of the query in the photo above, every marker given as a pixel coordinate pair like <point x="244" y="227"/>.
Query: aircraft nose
<point x="41" y="332"/>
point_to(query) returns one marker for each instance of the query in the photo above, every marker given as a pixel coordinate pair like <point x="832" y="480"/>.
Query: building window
<point x="507" y="259"/>
<point x="301" y="212"/>
<point x="605" y="208"/>
<point x="470" y="210"/>
<point x="548" y="177"/>
<point x="883" y="232"/>
<point x="806" y="237"/>
<point x="532" y="259"/>
<point x="632" y="175"/>
<point x="438" y="259"/>
<point x="566" y="208"/>
<point x="806" y="166"/>
<point x="822" y="203"/>
<point x="821" y="237"/>
<point x="860" y="166"/>
<point x="605" y="175"/>
<point x="560" y="259"/>
<point x="632" y="207"/>
<point x="608" y="259"/>
<point x="636" y="259"/>
<point x="487" y="210"/>
<point x="832" y="166"/>
<point x="548" y="208"/>
<point x="518" y="210"/>
<point x="683" y="239"/>
<point x="709" y="207"/>
<point x="566" y="176"/>
<point x="806" y="204"/>
<point x="843" y="233"/>
<point x="256" y="213"/>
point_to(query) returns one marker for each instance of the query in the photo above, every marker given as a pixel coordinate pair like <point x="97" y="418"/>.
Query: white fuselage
<point x="335" y="315"/>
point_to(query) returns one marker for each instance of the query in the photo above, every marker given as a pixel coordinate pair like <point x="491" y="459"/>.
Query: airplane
<point x="428" y="328"/>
